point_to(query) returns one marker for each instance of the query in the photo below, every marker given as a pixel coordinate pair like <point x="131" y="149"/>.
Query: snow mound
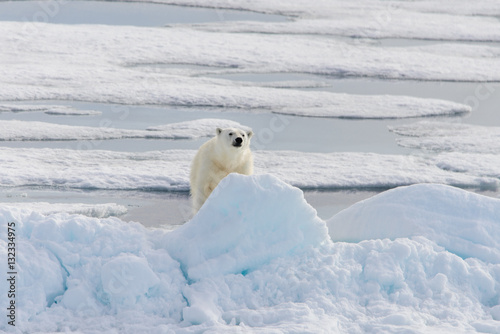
<point x="464" y="223"/>
<point x="248" y="228"/>
<point x="257" y="259"/>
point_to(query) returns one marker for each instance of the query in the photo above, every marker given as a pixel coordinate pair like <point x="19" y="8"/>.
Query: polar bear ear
<point x="218" y="131"/>
<point x="249" y="134"/>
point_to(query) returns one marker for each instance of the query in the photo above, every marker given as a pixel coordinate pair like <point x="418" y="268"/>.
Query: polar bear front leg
<point x="198" y="199"/>
<point x="209" y="187"/>
<point x="213" y="181"/>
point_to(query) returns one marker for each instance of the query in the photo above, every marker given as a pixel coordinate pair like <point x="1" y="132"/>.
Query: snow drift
<point x="464" y="223"/>
<point x="257" y="258"/>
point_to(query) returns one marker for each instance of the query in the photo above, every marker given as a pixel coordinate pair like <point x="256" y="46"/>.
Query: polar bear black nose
<point x="238" y="140"/>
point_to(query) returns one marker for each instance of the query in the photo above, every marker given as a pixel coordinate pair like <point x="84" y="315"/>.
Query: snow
<point x="469" y="229"/>
<point x="359" y="170"/>
<point x="219" y="254"/>
<point x="116" y="64"/>
<point x="366" y="19"/>
<point x="423" y="258"/>
<point x="257" y="259"/>
<point x="90" y="210"/>
<point x="380" y="107"/>
<point x="477" y="164"/>
<point x="203" y="127"/>
<point x="34" y="131"/>
<point x="463" y="148"/>
<point x="48" y="109"/>
<point x="29" y="131"/>
<point x="385" y="23"/>
<point x="94" y="169"/>
<point x="169" y="170"/>
<point x="303" y="8"/>
<point x="73" y="112"/>
<point x="442" y="136"/>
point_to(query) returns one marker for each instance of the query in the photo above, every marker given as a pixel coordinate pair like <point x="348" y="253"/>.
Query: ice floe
<point x="204" y="127"/>
<point x="73" y="112"/>
<point x="256" y="258"/>
<point x="35" y="131"/>
<point x="442" y="136"/>
<point x="379" y="107"/>
<point x="359" y="170"/>
<point x="48" y="109"/>
<point x="304" y="8"/>
<point x="95" y="169"/>
<point x="90" y="210"/>
<point x="470" y="163"/>
<point x="169" y="170"/>
<point x="101" y="65"/>
<point x="31" y="131"/>
<point x="390" y="23"/>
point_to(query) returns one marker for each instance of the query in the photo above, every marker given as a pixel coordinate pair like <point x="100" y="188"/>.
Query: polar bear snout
<point x="237" y="142"/>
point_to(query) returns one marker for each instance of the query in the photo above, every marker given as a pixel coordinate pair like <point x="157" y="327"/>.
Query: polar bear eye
<point x="243" y="135"/>
<point x="230" y="133"/>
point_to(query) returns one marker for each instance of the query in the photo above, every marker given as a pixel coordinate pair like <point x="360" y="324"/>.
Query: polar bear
<point x="227" y="152"/>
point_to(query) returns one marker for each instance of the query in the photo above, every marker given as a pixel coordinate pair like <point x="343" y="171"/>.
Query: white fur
<point x="217" y="158"/>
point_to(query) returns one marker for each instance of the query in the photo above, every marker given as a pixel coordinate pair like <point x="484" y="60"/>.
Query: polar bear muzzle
<point x="237" y="142"/>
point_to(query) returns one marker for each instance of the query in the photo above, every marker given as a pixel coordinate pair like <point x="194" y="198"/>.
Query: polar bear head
<point x="234" y="138"/>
